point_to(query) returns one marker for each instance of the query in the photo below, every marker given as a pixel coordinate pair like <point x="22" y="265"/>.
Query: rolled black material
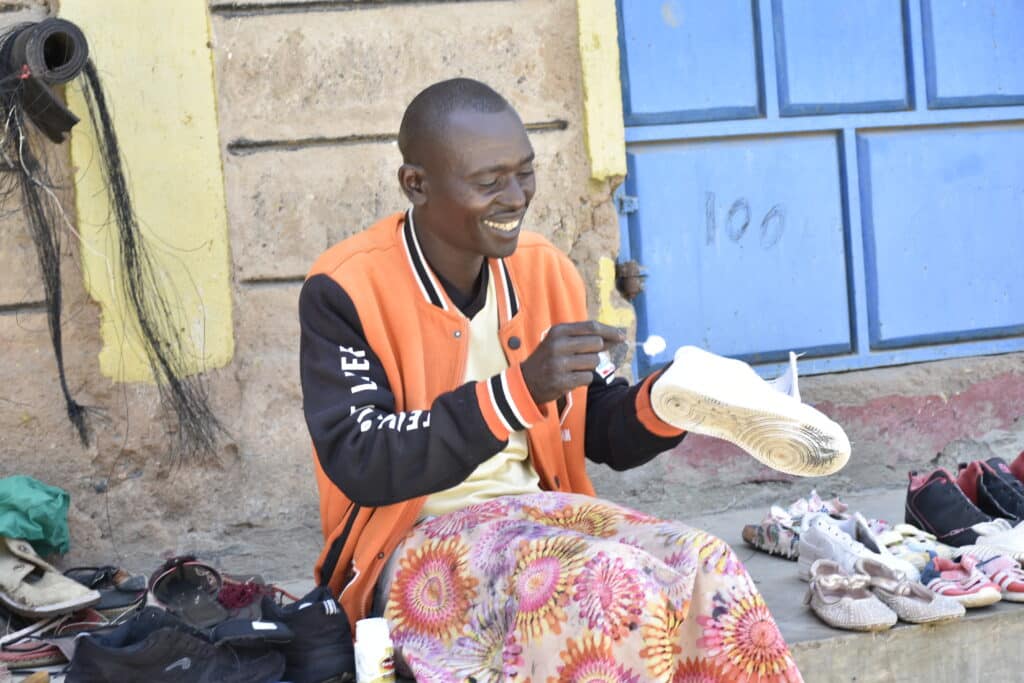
<point x="50" y="52"/>
<point x="54" y="50"/>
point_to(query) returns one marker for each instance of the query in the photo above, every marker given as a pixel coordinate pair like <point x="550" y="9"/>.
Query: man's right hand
<point x="567" y="357"/>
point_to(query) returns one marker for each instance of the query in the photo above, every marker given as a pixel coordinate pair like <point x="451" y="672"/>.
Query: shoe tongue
<point x="943" y="473"/>
<point x="968" y="481"/>
<point x="788" y="383"/>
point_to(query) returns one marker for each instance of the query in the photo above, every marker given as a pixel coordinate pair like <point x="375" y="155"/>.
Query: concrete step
<point x="984" y="646"/>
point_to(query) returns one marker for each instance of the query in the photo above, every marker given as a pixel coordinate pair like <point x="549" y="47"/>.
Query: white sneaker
<point x="708" y="394"/>
<point x="999" y="537"/>
<point x="845" y="541"/>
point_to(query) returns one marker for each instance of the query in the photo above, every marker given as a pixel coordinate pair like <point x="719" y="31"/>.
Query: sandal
<point x="779" y="531"/>
<point x="188" y="588"/>
<point x="23" y="642"/>
<point x="31" y="587"/>
<point x="844" y="601"/>
<point x="120" y="592"/>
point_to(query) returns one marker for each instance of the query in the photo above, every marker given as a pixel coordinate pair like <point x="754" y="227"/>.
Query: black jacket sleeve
<point x="377" y="456"/>
<point x="614" y="434"/>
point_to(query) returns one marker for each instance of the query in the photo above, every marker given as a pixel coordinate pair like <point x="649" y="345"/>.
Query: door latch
<point x="629" y="279"/>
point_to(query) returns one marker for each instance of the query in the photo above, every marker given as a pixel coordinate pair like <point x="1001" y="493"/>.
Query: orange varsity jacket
<point x="382" y="358"/>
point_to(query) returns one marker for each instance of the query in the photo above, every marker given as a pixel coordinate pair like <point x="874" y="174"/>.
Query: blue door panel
<point x="841" y="56"/>
<point x="843" y="178"/>
<point x="974" y="52"/>
<point x="690" y="60"/>
<point x="944" y="247"/>
<point x="745" y="244"/>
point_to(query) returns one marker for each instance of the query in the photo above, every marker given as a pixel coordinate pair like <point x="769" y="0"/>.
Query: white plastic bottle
<point x="375" y="653"/>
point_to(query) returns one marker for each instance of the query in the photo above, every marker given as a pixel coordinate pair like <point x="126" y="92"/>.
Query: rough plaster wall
<point x="309" y="105"/>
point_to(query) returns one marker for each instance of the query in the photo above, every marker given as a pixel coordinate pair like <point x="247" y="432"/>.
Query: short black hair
<point x="425" y="116"/>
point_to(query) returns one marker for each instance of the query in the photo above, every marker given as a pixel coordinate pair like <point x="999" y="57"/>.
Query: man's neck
<point x="459" y="268"/>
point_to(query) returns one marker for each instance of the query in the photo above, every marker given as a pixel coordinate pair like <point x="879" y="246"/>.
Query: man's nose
<point x="514" y="195"/>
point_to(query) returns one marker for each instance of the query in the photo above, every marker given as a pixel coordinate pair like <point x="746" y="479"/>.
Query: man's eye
<point x="487" y="182"/>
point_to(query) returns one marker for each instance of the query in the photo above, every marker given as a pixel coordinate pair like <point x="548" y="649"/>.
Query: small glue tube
<point x="375" y="653"/>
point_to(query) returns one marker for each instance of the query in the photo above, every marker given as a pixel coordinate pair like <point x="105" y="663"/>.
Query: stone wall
<point x="310" y="96"/>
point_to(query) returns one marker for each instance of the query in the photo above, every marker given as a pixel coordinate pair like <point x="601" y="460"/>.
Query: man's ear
<point x="413" y="181"/>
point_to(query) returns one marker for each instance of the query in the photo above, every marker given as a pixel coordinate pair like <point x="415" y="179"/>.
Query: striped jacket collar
<point x="430" y="285"/>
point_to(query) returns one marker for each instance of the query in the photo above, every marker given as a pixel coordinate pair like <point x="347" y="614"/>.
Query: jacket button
<point x="380" y="556"/>
<point x="514" y="343"/>
<point x="457" y="333"/>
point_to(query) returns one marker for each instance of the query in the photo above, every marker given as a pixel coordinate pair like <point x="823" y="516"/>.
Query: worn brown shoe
<point x="33" y="588"/>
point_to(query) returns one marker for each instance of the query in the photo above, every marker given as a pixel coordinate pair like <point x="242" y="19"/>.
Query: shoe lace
<point x="835" y="532"/>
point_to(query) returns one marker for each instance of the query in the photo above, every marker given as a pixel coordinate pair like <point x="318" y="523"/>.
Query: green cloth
<point x="35" y="512"/>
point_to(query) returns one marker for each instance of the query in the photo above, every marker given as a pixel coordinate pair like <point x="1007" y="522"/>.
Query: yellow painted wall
<point x="602" y="91"/>
<point x="608" y="312"/>
<point x="156" y="69"/>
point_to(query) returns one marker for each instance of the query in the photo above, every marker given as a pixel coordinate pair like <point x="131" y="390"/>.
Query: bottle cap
<point x="372" y="629"/>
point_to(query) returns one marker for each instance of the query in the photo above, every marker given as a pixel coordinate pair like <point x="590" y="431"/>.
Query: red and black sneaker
<point x="986" y="485"/>
<point x="937" y="505"/>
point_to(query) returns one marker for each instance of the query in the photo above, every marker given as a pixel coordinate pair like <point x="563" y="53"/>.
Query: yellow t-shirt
<point x="509" y="472"/>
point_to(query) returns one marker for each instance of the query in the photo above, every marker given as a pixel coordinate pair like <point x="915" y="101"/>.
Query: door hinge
<point x="626" y="204"/>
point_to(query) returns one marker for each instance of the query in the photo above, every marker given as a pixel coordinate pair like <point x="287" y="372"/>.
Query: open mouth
<point x="503" y="226"/>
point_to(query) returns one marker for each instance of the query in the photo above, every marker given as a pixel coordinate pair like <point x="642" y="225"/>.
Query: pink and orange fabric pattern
<point x="552" y="587"/>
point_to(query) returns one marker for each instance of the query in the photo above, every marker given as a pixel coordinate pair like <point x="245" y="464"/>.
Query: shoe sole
<point x="983" y="599"/>
<point x="51" y="610"/>
<point x="792" y="438"/>
<point x="936" y="620"/>
<point x="868" y="628"/>
<point x="1013" y="597"/>
<point x="749" y="537"/>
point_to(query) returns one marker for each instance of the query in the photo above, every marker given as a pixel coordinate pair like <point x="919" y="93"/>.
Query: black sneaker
<point x="321" y="650"/>
<point x="990" y="492"/>
<point x="937" y="505"/>
<point x="157" y="647"/>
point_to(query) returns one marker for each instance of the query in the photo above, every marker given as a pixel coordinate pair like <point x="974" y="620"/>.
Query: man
<point x="448" y="371"/>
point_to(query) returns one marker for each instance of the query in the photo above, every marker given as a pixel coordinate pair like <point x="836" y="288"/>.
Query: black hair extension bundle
<point x="33" y="57"/>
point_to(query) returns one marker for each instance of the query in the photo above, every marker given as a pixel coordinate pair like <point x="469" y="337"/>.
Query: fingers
<point x="588" y="336"/>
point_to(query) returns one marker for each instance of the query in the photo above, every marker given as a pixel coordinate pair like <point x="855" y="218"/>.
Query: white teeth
<point x="505" y="227"/>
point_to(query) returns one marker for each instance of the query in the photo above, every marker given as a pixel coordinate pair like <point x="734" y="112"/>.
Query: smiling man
<point x="449" y="388"/>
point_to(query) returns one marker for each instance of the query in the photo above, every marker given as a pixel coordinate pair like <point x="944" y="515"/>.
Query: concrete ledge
<point x="985" y="646"/>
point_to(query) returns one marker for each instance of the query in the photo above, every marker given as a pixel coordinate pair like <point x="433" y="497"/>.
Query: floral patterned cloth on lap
<point x="552" y="587"/>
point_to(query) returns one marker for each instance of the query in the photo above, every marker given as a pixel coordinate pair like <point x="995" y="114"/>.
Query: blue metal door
<point x="842" y="178"/>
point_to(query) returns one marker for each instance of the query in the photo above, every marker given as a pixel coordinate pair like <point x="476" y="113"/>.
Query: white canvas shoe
<point x="845" y="542"/>
<point x="707" y="394"/>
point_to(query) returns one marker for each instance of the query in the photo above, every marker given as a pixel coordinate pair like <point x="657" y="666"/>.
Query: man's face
<point x="480" y="181"/>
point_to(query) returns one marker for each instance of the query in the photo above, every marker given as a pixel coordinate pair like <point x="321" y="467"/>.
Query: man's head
<point x="468" y="170"/>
